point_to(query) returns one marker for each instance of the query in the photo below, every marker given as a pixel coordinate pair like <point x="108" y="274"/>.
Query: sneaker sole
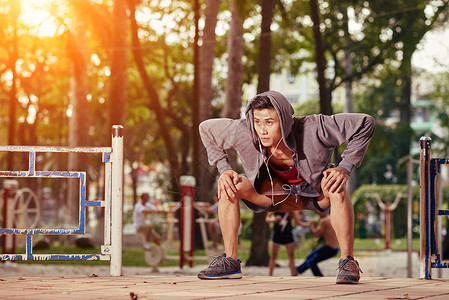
<point x="227" y="276"/>
<point x="347" y="281"/>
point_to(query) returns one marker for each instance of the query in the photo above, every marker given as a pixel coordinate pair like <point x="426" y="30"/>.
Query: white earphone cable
<point x="269" y="174"/>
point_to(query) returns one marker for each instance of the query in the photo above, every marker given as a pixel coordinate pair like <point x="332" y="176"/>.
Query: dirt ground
<point x="373" y="264"/>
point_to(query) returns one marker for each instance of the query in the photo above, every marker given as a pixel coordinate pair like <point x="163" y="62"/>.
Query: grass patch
<point x="135" y="256"/>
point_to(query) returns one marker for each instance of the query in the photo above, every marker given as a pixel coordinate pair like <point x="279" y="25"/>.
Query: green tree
<point x="439" y="97"/>
<point x="259" y="246"/>
<point x="164" y="75"/>
<point x="203" y="173"/>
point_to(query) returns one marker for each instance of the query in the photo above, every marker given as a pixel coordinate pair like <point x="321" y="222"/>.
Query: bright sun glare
<point x="36" y="14"/>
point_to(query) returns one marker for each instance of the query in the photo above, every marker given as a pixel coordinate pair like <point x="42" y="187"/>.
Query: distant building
<point x="298" y="88"/>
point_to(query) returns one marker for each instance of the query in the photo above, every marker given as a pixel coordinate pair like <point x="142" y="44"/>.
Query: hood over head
<point x="284" y="110"/>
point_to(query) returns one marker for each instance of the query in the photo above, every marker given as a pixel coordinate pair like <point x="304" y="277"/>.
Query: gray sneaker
<point x="222" y="267"/>
<point x="348" y="270"/>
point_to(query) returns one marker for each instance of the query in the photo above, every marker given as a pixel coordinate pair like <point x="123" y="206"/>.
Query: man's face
<point x="267" y="126"/>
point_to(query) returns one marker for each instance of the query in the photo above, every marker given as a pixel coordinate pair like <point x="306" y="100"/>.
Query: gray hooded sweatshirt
<point x="311" y="139"/>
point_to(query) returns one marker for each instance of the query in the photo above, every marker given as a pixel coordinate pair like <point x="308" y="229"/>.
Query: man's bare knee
<point x="339" y="198"/>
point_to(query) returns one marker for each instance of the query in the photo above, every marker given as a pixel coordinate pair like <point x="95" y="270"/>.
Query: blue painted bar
<point x="434" y="170"/>
<point x="431" y="170"/>
<point x="29" y="246"/>
<point x="45" y="231"/>
<point x="32" y="150"/>
<point x="42" y="257"/>
<point x="438" y="263"/>
<point x="55" y="174"/>
<point x="107" y="157"/>
<point x="427" y="208"/>
<point x="82" y="214"/>
<point x="113" y="158"/>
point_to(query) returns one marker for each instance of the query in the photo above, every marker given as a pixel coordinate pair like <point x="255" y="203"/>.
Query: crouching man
<point x="287" y="163"/>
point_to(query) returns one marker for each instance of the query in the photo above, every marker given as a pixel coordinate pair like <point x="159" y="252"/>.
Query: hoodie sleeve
<point x="219" y="135"/>
<point x="355" y="130"/>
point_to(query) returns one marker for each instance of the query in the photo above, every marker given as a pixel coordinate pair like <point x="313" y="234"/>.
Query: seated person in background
<point x="282" y="235"/>
<point x="142" y="220"/>
<point x="330" y="249"/>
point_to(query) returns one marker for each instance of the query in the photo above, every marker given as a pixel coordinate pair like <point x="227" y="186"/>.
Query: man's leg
<point x="227" y="265"/>
<point x="229" y="214"/>
<point x="229" y="217"/>
<point x="273" y="257"/>
<point x="315" y="270"/>
<point x="306" y="264"/>
<point x="342" y="220"/>
<point x="291" y="259"/>
<point x="323" y="253"/>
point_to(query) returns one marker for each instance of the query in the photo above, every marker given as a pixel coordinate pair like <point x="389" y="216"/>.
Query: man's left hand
<point x="334" y="180"/>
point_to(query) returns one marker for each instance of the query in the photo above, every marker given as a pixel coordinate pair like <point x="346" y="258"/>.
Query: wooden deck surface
<point x="189" y="287"/>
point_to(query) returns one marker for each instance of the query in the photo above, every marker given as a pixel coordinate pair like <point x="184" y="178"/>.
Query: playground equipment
<point x="429" y="169"/>
<point x="410" y="163"/>
<point x="26" y="207"/>
<point x="387" y="208"/>
<point x="202" y="221"/>
<point x="156" y="254"/>
<point x="187" y="217"/>
<point x="112" y="203"/>
<point x="20" y="209"/>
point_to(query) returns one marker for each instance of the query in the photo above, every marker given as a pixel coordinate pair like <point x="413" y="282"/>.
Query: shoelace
<point x="221" y="261"/>
<point x="344" y="262"/>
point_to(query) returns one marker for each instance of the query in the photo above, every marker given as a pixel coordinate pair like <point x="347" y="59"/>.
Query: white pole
<point x="117" y="200"/>
<point x="409" y="216"/>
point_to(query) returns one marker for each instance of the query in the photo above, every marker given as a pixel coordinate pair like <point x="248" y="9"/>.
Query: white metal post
<point x="117" y="200"/>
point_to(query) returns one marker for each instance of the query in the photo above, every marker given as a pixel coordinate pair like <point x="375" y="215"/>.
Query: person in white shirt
<point x="142" y="220"/>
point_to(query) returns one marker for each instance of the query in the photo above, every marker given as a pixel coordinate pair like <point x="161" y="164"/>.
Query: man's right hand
<point x="226" y="186"/>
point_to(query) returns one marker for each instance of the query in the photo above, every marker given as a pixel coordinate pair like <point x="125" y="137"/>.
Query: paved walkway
<point x="373" y="264"/>
<point x="384" y="277"/>
<point x="189" y="287"/>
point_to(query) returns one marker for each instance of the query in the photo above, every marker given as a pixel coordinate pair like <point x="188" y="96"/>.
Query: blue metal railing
<point x="429" y="169"/>
<point x="113" y="159"/>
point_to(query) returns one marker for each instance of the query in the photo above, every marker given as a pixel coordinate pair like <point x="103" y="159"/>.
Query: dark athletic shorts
<point x="285" y="199"/>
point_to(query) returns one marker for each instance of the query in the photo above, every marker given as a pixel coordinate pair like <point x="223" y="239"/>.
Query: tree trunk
<point x="196" y="84"/>
<point x="117" y="92"/>
<point x="234" y="81"/>
<point x="154" y="104"/>
<point x="325" y="104"/>
<point x="260" y="230"/>
<point x="202" y="171"/>
<point x="78" y="124"/>
<point x="264" y="60"/>
<point x="207" y="54"/>
<point x="405" y="104"/>
<point x="352" y="182"/>
<point x="15" y="12"/>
